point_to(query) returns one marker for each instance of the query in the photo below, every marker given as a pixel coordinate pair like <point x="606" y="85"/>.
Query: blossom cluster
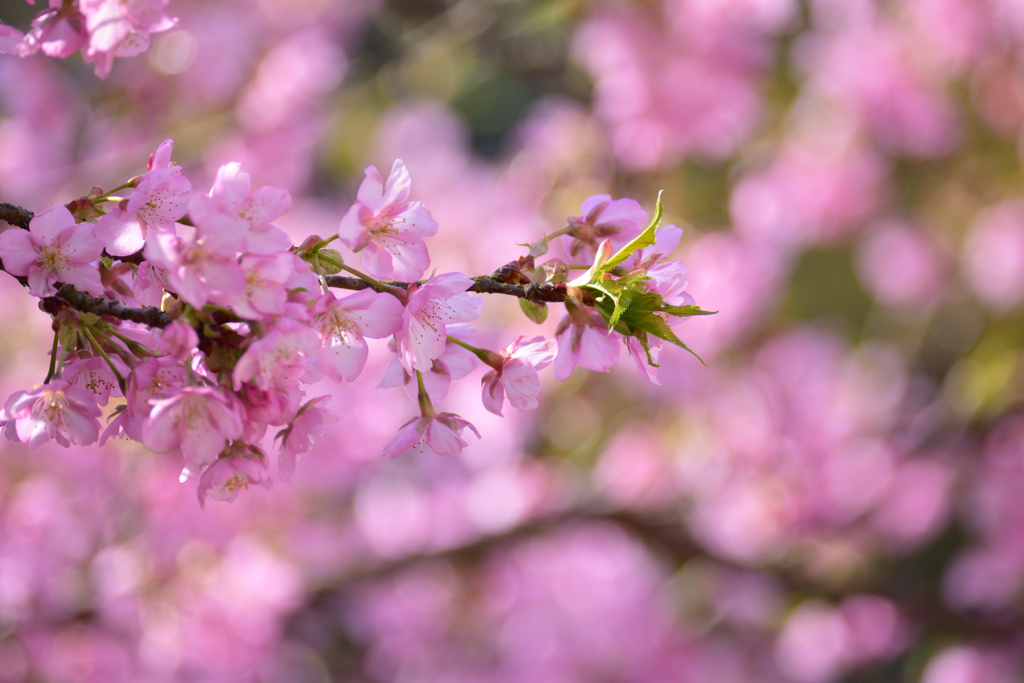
<point x="241" y="321"/>
<point x="101" y="29"/>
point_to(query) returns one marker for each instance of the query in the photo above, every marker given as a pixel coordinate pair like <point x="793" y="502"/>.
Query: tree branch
<point x="86" y="303"/>
<point x="484" y="284"/>
<point x="20" y="217"/>
<point x="15" y="215"/>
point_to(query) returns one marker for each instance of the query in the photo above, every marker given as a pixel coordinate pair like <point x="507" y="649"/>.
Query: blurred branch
<point x="919" y="600"/>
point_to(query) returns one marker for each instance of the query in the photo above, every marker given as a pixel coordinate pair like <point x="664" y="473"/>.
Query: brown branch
<point x="67" y="295"/>
<point x="86" y="303"/>
<point x="553" y="292"/>
<point x="17" y="216"/>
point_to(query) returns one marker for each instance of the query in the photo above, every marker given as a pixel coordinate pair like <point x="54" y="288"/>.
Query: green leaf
<point x="685" y="311"/>
<point x="537" y="312"/>
<point x="644" y="239"/>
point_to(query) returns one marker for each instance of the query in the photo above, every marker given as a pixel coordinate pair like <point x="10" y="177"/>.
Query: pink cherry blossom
<point x="58" y="410"/>
<point x="227" y="476"/>
<point x="310" y="424"/>
<point x="265" y="294"/>
<point x="283" y="354"/>
<point x="179" y="340"/>
<point x="389" y="228"/>
<point x="584" y="340"/>
<point x="618" y="220"/>
<point x="454" y="364"/>
<point x="517" y="377"/>
<point x="96" y="376"/>
<point x="201" y="420"/>
<point x="255" y="210"/>
<point x="152" y="379"/>
<point x="53" y="250"/>
<point x="59" y="32"/>
<point x="10" y="39"/>
<point x="121" y="29"/>
<point x="440" y="434"/>
<point x="161" y="197"/>
<point x="440" y="301"/>
<point x="343" y="324"/>
<point x="199" y="269"/>
<point x="149" y="285"/>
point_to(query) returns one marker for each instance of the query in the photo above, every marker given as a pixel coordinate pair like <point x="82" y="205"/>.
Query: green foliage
<point x="537" y="312"/>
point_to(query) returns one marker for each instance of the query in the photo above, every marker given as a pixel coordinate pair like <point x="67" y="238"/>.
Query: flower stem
<point x="397" y="292"/>
<point x="130" y="343"/>
<point x="489" y="357"/>
<point x="99" y="348"/>
<point x="320" y="273"/>
<point x="103" y="197"/>
<point x="426" y="407"/>
<point x="53" y="358"/>
<point x="323" y="243"/>
<point x="557" y="233"/>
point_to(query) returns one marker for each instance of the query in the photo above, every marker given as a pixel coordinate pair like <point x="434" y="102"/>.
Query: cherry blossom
<point x="201" y="420"/>
<point x="53" y="250"/>
<point x="68" y="414"/>
<point x="265" y="278"/>
<point x="255" y="210"/>
<point x="283" y="354"/>
<point x="160" y="198"/>
<point x="439" y="434"/>
<point x="518" y="377"/>
<point x="120" y="29"/>
<point x="344" y="322"/>
<point x="199" y="269"/>
<point x="310" y="424"/>
<point x="388" y="227"/>
<point x="95" y="375"/>
<point x="227" y="477"/>
<point x="59" y="32"/>
<point x="583" y="339"/>
<point x="440" y="301"/>
<point x="455" y="363"/>
<point x="618" y="220"/>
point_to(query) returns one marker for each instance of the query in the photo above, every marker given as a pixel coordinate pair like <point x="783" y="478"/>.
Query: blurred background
<point x="835" y="497"/>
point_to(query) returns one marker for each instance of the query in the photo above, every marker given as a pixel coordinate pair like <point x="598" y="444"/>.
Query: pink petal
<point x="84" y="277"/>
<point x="40" y="282"/>
<point x="267" y="239"/>
<point x="377" y="262"/>
<point x="120" y="232"/>
<point x="9" y="39"/>
<point x="598" y="350"/>
<point x="436" y="384"/>
<point x="48" y="225"/>
<point x="160" y="432"/>
<point x="378" y="315"/>
<point x="521" y="384"/>
<point x="567" y="358"/>
<point x="492" y="392"/>
<point x="410" y="434"/>
<point x="444" y="440"/>
<point x="231" y="187"/>
<point x="409" y="259"/>
<point x="352" y="229"/>
<point x="18" y="251"/>
<point x="266" y="204"/>
<point x="343" y="357"/>
<point x="78" y="244"/>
